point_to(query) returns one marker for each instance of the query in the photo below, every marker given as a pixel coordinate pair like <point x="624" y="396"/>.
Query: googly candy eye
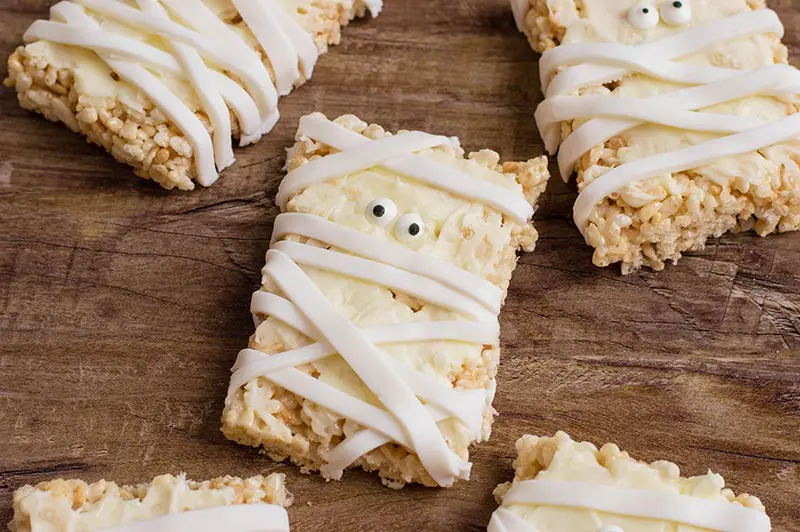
<point x="643" y="16"/>
<point x="408" y="227"/>
<point x="381" y="211"/>
<point x="676" y="12"/>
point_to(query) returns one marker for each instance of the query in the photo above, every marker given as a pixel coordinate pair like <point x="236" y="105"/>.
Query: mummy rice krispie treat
<point x="377" y="323"/>
<point x="678" y="117"/>
<point x="167" y="504"/>
<point x="164" y="85"/>
<point x="564" y="486"/>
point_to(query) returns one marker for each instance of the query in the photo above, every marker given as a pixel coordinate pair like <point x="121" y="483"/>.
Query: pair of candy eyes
<point x="382" y="211"/>
<point x="644" y="15"/>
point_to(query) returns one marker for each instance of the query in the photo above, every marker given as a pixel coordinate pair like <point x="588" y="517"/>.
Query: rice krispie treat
<point x="164" y="85"/>
<point x="677" y="116"/>
<point x="377" y="323"/>
<point x="168" y="503"/>
<point x="561" y="485"/>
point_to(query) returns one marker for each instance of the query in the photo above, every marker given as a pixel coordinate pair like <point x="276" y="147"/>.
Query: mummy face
<point x="638" y="21"/>
<point x="433" y="222"/>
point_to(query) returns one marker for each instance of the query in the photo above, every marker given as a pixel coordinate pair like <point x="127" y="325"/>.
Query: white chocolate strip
<point x="582" y="74"/>
<point x="681" y="160"/>
<point x="656" y="505"/>
<point x="233" y="518"/>
<point x="459" y="404"/>
<point x="368" y="363"/>
<point x="411" y="402"/>
<point x="504" y="520"/>
<point x="388" y="276"/>
<point x="193" y="51"/>
<point x="285" y="311"/>
<point x="567" y="68"/>
<point x="778" y="79"/>
<point x="389" y="253"/>
<point x="418" y="167"/>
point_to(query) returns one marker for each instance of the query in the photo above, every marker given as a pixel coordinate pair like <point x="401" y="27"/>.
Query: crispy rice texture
<point x="292" y="433"/>
<point x="657" y="221"/>
<point x="535" y="454"/>
<point x="81" y="496"/>
<point x="149" y="141"/>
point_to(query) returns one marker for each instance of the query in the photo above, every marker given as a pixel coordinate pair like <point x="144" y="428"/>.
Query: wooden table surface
<point x="122" y="306"/>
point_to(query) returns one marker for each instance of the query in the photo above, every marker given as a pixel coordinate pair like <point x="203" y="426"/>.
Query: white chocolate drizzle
<point x="397" y="154"/>
<point x="205" y="53"/>
<point x="666" y="506"/>
<point x="233" y="518"/>
<point x="568" y="68"/>
<point x="411" y="402"/>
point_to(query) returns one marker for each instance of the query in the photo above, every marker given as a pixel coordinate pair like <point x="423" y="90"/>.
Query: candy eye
<point x="381" y="211"/>
<point x="409" y="226"/>
<point x="677" y="12"/>
<point x="643" y="16"/>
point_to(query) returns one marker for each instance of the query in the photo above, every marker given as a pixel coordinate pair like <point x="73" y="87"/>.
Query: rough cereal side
<point x="659" y="219"/>
<point x="147" y="141"/>
<point x="296" y="433"/>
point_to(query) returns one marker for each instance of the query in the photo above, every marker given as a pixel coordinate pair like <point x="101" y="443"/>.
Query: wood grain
<point x="122" y="306"/>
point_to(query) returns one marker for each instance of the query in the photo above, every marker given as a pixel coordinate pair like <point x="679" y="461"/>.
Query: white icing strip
<point x="672" y="47"/>
<point x="385" y="275"/>
<point x="201" y="79"/>
<point x="304" y="45"/>
<point x="680" y="161"/>
<point x="464" y="405"/>
<point x="87" y="35"/>
<point x="656" y="505"/>
<point x="247" y="66"/>
<point x="234" y="50"/>
<point x="613" y="115"/>
<point x="352" y="161"/>
<point x="172" y="106"/>
<point x="273" y="39"/>
<point x="418" y="167"/>
<point x="396" y="255"/>
<point x="778" y="79"/>
<point x="504" y="520"/>
<point x="233" y="518"/>
<point x="457" y="331"/>
<point x="287" y="45"/>
<point x="371" y="367"/>
<point x="349" y="407"/>
<point x="561" y="108"/>
<point x="343" y="455"/>
<point x="630" y="60"/>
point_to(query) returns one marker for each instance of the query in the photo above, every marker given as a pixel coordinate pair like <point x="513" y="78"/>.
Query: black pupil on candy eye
<point x="413" y="229"/>
<point x="677" y="5"/>
<point x="378" y="211"/>
<point x="645" y="10"/>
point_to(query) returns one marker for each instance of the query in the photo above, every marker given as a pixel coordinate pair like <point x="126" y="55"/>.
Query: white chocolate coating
<point x="191" y="59"/>
<point x="566" y="486"/>
<point x="168" y="503"/>
<point x="392" y="400"/>
<point x="675" y="109"/>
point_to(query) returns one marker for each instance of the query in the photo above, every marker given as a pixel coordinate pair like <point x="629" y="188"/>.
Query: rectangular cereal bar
<point x="167" y="503"/>
<point x="679" y="119"/>
<point x="164" y="85"/>
<point x="395" y="241"/>
<point x="561" y="485"/>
